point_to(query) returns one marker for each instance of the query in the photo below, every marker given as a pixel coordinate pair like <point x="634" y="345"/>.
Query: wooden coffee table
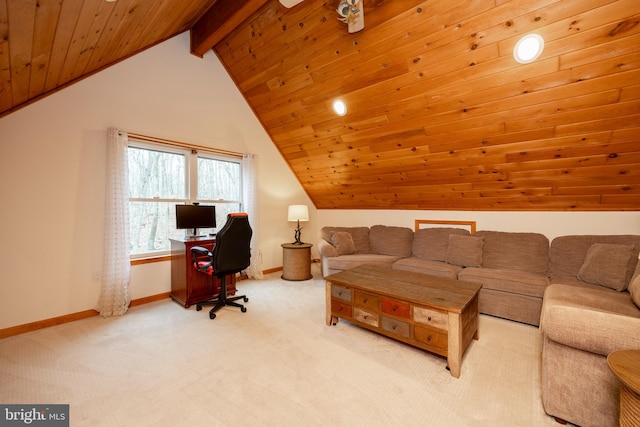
<point x="433" y="313"/>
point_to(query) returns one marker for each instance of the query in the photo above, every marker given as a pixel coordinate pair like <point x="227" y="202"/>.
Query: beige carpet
<point x="278" y="364"/>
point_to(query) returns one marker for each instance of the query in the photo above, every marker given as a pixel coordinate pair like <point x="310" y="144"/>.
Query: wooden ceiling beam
<point x="217" y="22"/>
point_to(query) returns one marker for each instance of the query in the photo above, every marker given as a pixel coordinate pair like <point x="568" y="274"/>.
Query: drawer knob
<point x="340" y="309"/>
<point x="395" y="307"/>
<point x="429" y="338"/>
<point x="394" y="327"/>
<point x="364" y="300"/>
<point x="429" y="318"/>
<point x="366" y="317"/>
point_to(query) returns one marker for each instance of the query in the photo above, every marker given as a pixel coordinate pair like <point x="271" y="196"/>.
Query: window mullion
<point x="192" y="181"/>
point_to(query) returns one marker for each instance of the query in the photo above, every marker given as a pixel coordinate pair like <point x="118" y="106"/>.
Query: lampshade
<point x="298" y="213"/>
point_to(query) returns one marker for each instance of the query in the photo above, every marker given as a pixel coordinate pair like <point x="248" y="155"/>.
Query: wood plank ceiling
<point x="440" y="115"/>
<point x="46" y="45"/>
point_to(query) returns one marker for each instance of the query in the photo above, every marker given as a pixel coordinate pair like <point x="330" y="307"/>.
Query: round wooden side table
<point x="625" y="364"/>
<point x="296" y="261"/>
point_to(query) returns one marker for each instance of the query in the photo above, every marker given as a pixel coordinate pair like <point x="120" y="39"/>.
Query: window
<point x="161" y="177"/>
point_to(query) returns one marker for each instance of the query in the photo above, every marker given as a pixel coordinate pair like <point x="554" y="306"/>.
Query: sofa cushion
<point x="610" y="265"/>
<point x="427" y="266"/>
<point x="465" y="251"/>
<point x="596" y="298"/>
<point x="343" y="242"/>
<point x="432" y="243"/>
<point x="346" y="262"/>
<point x="389" y="240"/>
<point x="360" y="236"/>
<point x="511" y="281"/>
<point x="567" y="253"/>
<point x="634" y="290"/>
<point x="515" y="251"/>
<point x="598" y="320"/>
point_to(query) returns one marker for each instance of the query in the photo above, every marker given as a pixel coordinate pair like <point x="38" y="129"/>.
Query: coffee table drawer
<point x="366" y="300"/>
<point x="433" y="337"/>
<point x="340" y="308"/>
<point x="395" y="326"/>
<point x="341" y="293"/>
<point x="431" y="317"/>
<point x="397" y="308"/>
<point x="365" y="317"/>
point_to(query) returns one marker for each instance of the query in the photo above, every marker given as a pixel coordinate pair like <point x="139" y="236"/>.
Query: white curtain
<point x="116" y="267"/>
<point x="250" y="197"/>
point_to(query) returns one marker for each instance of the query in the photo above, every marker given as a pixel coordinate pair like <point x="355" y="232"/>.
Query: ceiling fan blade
<point x="357" y="23"/>
<point x="290" y="3"/>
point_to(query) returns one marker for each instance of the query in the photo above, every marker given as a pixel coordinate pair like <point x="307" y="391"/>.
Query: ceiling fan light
<point x="339" y="107"/>
<point x="528" y="48"/>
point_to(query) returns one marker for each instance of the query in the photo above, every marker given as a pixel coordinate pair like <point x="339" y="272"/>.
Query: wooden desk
<point x="625" y="364"/>
<point x="188" y="286"/>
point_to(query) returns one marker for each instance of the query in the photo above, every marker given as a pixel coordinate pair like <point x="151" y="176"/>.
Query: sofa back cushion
<point x="389" y="240"/>
<point x="432" y="243"/>
<point x="343" y="242"/>
<point x="465" y="251"/>
<point x="567" y="254"/>
<point x="515" y="251"/>
<point x="634" y="286"/>
<point x="610" y="265"/>
<point x="360" y="236"/>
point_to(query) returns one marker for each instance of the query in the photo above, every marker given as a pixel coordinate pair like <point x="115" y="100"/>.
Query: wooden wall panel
<point x="5" y="60"/>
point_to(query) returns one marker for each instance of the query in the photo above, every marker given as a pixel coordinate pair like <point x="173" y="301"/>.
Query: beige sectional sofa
<point x="583" y="292"/>
<point x="511" y="266"/>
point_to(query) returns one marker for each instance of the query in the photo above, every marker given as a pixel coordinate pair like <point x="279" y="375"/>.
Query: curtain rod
<point x="171" y="143"/>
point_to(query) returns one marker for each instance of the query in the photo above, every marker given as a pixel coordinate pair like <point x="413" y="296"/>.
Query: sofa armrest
<point x="326" y="249"/>
<point x="595" y="331"/>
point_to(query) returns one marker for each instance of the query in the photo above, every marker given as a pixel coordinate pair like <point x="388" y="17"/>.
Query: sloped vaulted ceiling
<point x="440" y="115"/>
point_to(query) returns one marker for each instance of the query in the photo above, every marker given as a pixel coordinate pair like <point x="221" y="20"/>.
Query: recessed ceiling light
<point x="339" y="107"/>
<point x="528" y="48"/>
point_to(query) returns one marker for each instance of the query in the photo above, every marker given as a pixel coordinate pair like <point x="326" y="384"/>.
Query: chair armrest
<point x="201" y="251"/>
<point x="595" y="331"/>
<point x="326" y="249"/>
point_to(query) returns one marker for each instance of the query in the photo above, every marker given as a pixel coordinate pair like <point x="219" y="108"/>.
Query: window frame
<point x="191" y="186"/>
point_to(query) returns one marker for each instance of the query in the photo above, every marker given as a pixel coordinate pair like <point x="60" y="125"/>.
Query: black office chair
<point x="231" y="254"/>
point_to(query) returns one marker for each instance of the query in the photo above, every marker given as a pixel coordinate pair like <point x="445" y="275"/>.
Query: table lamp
<point x="298" y="213"/>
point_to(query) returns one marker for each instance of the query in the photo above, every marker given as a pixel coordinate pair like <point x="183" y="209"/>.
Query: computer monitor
<point x="195" y="216"/>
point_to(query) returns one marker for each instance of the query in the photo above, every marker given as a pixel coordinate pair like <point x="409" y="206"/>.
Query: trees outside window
<point x="161" y="177"/>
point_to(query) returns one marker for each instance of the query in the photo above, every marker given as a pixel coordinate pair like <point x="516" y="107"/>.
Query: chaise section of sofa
<point x="513" y="274"/>
<point x="343" y="248"/>
<point x="591" y="308"/>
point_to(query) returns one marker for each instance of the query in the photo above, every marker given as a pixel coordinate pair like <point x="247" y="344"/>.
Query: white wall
<point x="52" y="174"/>
<point x="551" y="224"/>
<point x="52" y="180"/>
